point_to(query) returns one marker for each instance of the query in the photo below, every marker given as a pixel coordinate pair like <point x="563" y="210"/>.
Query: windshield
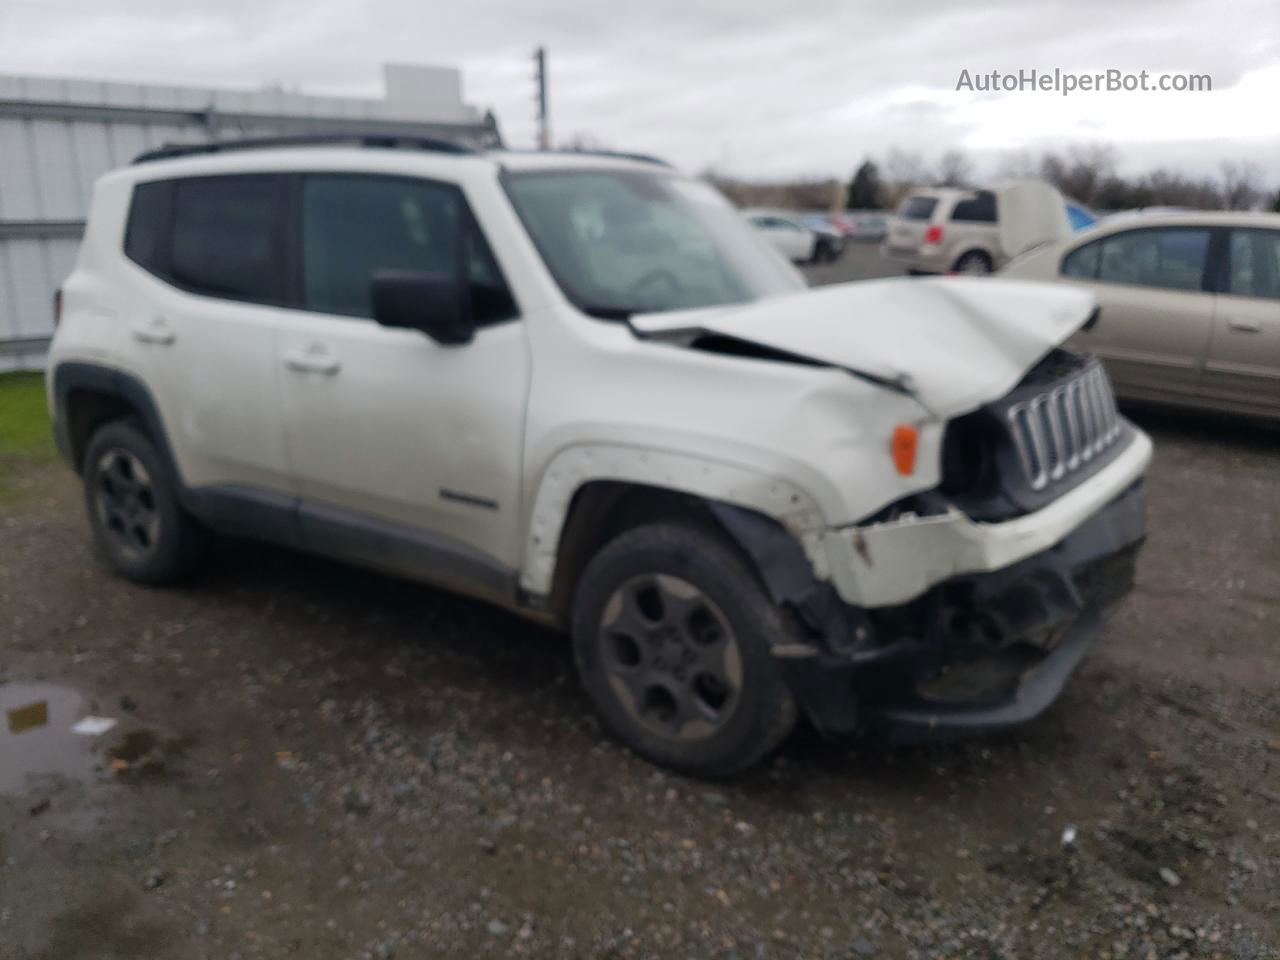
<point x="624" y="242"/>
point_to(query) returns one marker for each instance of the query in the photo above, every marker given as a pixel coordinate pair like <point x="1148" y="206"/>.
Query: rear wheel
<point x="138" y="525"/>
<point x="672" y="634"/>
<point x="974" y="263"/>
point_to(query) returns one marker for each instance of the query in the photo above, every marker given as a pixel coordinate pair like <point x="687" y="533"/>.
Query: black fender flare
<point x="71" y="376"/>
<point x="817" y="671"/>
<point x="780" y="560"/>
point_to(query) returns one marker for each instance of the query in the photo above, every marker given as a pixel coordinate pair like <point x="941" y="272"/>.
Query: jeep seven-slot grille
<point x="1060" y="430"/>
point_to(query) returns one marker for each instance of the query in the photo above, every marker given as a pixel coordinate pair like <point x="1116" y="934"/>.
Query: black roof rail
<point x="390" y="141"/>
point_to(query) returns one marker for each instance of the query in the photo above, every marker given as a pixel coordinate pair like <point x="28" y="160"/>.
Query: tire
<point x="975" y="263"/>
<point x="821" y="252"/>
<point x="690" y="684"/>
<point x="131" y="495"/>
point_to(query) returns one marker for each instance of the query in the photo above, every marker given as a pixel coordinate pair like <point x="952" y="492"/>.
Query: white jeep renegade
<point x="581" y="387"/>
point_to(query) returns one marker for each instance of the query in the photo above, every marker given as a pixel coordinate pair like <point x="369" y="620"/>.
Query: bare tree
<point x="1241" y="185"/>
<point x="1016" y="165"/>
<point x="1086" y="173"/>
<point x="904" y="170"/>
<point x="791" y="195"/>
<point x="1082" y="172"/>
<point x="955" y="169"/>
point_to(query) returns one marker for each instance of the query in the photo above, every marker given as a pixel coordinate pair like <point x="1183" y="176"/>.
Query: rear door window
<point x="1172" y="258"/>
<point x="229" y="237"/>
<point x="918" y="208"/>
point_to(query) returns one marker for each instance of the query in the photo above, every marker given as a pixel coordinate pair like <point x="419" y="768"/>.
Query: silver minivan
<point x="952" y="230"/>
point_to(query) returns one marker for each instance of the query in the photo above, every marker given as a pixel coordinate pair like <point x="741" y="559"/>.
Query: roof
<point x="1191" y="218"/>
<point x="356" y="145"/>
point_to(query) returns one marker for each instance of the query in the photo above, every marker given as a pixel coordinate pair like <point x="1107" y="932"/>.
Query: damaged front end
<point x="967" y="608"/>
<point x="974" y="653"/>
<point x="990" y="650"/>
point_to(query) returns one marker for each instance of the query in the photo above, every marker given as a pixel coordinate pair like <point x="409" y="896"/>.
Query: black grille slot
<point x="1057" y="430"/>
<point x="1016" y="454"/>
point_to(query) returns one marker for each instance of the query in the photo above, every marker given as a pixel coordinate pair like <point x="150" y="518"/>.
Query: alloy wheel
<point x="126" y="502"/>
<point x="670" y="657"/>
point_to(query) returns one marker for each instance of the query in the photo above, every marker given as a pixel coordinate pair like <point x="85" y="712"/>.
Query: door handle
<point x="155" y="330"/>
<point x="1245" y="324"/>
<point x="314" y="359"/>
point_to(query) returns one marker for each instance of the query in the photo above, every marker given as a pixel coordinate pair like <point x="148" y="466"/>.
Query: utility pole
<point x="544" y="131"/>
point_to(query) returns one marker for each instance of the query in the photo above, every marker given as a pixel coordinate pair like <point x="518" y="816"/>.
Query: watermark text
<point x="1066" y="82"/>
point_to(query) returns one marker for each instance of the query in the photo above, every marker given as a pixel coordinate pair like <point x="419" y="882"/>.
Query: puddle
<point x="36" y="739"/>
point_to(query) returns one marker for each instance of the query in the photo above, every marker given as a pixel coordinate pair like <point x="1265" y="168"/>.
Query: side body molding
<point x="283" y="519"/>
<point x="713" y="480"/>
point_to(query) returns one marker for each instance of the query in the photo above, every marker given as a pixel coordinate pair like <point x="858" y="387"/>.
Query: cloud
<point x="764" y="88"/>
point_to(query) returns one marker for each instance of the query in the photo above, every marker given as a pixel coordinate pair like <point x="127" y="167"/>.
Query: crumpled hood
<point x="952" y="342"/>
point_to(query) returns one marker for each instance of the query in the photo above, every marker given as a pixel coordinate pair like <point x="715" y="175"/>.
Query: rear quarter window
<point x="918" y="208"/>
<point x="146" y="234"/>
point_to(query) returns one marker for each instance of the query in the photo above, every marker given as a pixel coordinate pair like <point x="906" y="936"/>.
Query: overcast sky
<point x="755" y="88"/>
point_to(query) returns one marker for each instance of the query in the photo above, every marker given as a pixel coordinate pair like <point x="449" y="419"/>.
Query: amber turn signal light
<point x="903" y="448"/>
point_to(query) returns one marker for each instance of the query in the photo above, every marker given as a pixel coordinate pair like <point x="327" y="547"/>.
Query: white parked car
<point x="579" y="386"/>
<point x="788" y="234"/>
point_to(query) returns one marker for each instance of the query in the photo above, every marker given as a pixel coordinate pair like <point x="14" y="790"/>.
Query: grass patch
<point x="25" y="431"/>
<point x="26" y="436"/>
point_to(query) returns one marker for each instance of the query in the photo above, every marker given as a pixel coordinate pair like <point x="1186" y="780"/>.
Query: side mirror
<point x="433" y="303"/>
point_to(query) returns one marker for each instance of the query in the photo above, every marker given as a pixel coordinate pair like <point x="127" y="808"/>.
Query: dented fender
<point x="713" y="480"/>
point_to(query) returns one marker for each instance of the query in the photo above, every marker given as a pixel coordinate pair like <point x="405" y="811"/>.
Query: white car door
<point x="203" y="325"/>
<point x="407" y="451"/>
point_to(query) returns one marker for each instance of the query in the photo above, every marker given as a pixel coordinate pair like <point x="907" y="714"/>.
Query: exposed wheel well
<point x="86" y="410"/>
<point x="599" y="512"/>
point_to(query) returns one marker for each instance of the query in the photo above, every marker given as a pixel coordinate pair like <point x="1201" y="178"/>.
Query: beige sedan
<point x="1190" y="305"/>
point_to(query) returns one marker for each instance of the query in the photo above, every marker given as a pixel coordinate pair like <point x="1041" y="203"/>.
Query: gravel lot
<point x="316" y="761"/>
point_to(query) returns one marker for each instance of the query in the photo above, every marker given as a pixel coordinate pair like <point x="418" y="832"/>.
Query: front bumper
<point x="981" y="651"/>
<point x="891" y="563"/>
<point x="916" y="717"/>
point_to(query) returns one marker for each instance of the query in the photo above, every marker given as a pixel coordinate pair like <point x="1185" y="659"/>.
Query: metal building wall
<point x="59" y="135"/>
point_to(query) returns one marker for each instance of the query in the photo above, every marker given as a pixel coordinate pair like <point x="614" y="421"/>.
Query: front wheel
<point x="672" y="634"/>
